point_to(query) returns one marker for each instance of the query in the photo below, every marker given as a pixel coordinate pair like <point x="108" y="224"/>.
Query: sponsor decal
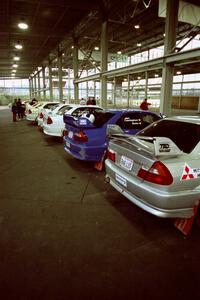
<point x="82" y="122"/>
<point x="164" y="147"/>
<point x="188" y="173"/>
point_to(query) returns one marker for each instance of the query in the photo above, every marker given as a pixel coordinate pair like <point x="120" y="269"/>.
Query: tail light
<point x="111" y="155"/>
<point x="49" y="120"/>
<point x="80" y="136"/>
<point x="158" y="173"/>
<point x="65" y="132"/>
<point x="41" y="115"/>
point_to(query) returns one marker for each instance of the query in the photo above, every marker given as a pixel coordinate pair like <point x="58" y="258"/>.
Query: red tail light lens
<point x="158" y="173"/>
<point x="111" y="155"/>
<point x="41" y="115"/>
<point x="49" y="120"/>
<point x="80" y="136"/>
<point x="65" y="132"/>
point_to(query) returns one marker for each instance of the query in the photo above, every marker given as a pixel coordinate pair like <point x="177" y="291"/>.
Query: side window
<point x="130" y="121"/>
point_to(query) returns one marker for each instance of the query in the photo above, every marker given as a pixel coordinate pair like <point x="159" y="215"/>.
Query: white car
<point x="54" y="125"/>
<point x="53" y="111"/>
<point x="35" y="111"/>
<point x="46" y="111"/>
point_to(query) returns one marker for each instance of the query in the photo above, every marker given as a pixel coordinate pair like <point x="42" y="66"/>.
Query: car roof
<point x="187" y="119"/>
<point x="128" y="110"/>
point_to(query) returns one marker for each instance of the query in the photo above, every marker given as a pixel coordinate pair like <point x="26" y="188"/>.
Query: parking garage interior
<point x="66" y="233"/>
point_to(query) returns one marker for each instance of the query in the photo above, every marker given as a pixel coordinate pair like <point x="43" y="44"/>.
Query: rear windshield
<point x="101" y="117"/>
<point x="49" y="105"/>
<point x="184" y="135"/>
<point x="63" y="110"/>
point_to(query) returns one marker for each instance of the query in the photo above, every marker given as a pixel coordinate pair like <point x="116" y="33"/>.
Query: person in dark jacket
<point x="14" y="110"/>
<point x="19" y="108"/>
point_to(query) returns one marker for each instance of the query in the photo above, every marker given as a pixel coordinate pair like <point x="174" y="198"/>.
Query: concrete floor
<point x="66" y="234"/>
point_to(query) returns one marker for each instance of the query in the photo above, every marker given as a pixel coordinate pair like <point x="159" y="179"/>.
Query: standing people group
<point x="18" y="110"/>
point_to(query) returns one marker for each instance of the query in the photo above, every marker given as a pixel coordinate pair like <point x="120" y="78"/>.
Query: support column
<point x="35" y="87"/>
<point x="181" y="91"/>
<point x="114" y="92"/>
<point x="95" y="89"/>
<point x="30" y="94"/>
<point x="87" y="93"/>
<point x="168" y="70"/>
<point x="60" y="86"/>
<point x="39" y="91"/>
<point x="75" y="67"/>
<point x="44" y="83"/>
<point x="104" y="62"/>
<point x="50" y="82"/>
<point x="128" y="92"/>
<point x="68" y="86"/>
<point x="146" y="85"/>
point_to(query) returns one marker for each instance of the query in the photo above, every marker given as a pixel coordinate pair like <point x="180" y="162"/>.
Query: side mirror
<point x="113" y="129"/>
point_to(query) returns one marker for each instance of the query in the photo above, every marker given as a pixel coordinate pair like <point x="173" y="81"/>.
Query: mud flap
<point x="184" y="224"/>
<point x="99" y="165"/>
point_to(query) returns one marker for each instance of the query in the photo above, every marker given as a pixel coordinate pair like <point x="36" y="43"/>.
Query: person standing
<point x="14" y="110"/>
<point x="19" y="108"/>
<point x="145" y="105"/>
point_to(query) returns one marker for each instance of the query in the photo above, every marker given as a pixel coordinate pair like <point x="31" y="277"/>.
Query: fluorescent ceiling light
<point x="15" y="66"/>
<point x="139" y="44"/>
<point x="119" y="52"/>
<point x="16" y="58"/>
<point x="96" y="48"/>
<point x="137" y="26"/>
<point x="178" y="72"/>
<point x="18" y="46"/>
<point x="156" y="75"/>
<point x="23" y="25"/>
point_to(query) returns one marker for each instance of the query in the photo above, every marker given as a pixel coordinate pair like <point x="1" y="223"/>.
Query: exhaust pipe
<point x="107" y="179"/>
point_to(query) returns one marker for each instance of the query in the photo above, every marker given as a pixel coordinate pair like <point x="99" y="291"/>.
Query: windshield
<point x="184" y="135"/>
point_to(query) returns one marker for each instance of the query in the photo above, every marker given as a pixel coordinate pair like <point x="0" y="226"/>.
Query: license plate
<point x="70" y="134"/>
<point x="67" y="144"/>
<point x="121" y="180"/>
<point x="126" y="163"/>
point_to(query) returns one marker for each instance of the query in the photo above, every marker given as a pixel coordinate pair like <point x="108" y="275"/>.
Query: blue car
<point x="85" y="137"/>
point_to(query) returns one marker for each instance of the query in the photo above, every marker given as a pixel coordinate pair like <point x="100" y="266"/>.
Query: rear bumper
<point x="32" y="118"/>
<point x="83" y="152"/>
<point x="52" y="132"/>
<point x="160" y="204"/>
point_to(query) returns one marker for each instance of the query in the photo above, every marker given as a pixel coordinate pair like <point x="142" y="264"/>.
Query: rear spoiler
<point x="163" y="146"/>
<point x="77" y="122"/>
